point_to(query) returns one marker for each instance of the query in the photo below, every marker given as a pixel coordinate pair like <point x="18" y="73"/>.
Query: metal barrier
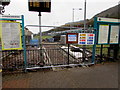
<point x="53" y="55"/>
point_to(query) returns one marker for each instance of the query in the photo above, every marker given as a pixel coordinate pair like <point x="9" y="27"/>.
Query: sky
<point x="61" y="11"/>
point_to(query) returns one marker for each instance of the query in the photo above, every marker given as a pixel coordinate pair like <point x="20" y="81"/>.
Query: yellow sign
<point x="10" y="35"/>
<point x="82" y="37"/>
<point x="82" y="34"/>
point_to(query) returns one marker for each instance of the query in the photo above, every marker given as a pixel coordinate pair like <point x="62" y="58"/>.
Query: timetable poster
<point x="103" y="34"/>
<point x="10" y="35"/>
<point x="114" y="34"/>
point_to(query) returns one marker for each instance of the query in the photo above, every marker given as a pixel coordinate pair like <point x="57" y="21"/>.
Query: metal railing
<point x="53" y="55"/>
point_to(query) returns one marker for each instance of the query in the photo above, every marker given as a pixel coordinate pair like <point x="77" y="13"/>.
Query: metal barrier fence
<point x="52" y="55"/>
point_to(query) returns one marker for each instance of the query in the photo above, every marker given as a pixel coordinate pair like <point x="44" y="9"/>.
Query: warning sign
<point x="10" y="35"/>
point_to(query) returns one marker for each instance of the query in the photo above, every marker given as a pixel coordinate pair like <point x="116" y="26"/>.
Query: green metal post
<point x="94" y="46"/>
<point x="24" y="46"/>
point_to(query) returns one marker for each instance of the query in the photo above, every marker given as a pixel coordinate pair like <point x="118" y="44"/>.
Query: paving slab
<point x="97" y="76"/>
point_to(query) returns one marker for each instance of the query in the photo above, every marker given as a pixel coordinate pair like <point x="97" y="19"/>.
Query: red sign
<point x="72" y="38"/>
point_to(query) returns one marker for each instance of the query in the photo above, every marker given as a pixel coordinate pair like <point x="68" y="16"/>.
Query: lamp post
<point x="84" y="16"/>
<point x="73" y="12"/>
<point x="84" y="46"/>
<point x="73" y="15"/>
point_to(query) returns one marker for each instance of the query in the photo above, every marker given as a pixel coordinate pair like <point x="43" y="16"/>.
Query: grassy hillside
<point x="113" y="12"/>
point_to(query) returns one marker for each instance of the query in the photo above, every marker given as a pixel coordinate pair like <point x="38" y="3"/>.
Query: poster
<point x="103" y="34"/>
<point x="10" y="35"/>
<point x="72" y="38"/>
<point x="86" y="39"/>
<point x="82" y="38"/>
<point x="114" y="34"/>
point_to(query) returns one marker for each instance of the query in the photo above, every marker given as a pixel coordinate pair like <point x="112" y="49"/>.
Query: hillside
<point x="112" y="12"/>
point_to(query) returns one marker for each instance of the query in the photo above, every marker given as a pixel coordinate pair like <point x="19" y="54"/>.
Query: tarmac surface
<point x="97" y="76"/>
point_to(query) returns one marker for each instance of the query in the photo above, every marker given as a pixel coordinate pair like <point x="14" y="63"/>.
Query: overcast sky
<point x="61" y="11"/>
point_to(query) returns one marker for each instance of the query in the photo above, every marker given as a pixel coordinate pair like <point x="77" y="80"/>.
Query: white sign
<point x="10" y="17"/>
<point x="10" y="35"/>
<point x="107" y="19"/>
<point x="103" y="34"/>
<point x="72" y="38"/>
<point x="114" y="34"/>
<point x="86" y="39"/>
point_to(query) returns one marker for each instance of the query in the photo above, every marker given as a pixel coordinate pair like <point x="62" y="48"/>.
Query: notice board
<point x="114" y="34"/>
<point x="10" y="35"/>
<point x="86" y="39"/>
<point x="39" y="5"/>
<point x="103" y="34"/>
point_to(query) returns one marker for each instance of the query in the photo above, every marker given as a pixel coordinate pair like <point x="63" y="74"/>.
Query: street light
<point x="84" y="46"/>
<point x="73" y="12"/>
<point x="73" y="15"/>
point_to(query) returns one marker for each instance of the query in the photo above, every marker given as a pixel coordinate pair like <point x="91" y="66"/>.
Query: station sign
<point x="107" y="19"/>
<point x="72" y="38"/>
<point x="39" y="5"/>
<point x="86" y="38"/>
<point x="10" y="17"/>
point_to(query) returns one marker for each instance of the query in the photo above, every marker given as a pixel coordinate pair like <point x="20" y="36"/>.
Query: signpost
<point x="72" y="38"/>
<point x="40" y="6"/>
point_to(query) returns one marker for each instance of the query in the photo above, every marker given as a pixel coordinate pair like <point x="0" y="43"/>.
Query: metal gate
<point x="53" y="55"/>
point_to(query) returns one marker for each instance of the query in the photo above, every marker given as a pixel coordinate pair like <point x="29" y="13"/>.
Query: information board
<point x="114" y="34"/>
<point x="103" y="34"/>
<point x="72" y="38"/>
<point x="86" y="38"/>
<point x="39" y="5"/>
<point x="10" y="35"/>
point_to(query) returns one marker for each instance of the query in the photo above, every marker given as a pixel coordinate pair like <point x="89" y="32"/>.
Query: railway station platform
<point x="97" y="76"/>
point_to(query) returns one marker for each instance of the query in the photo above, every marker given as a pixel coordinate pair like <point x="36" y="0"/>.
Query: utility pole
<point x="84" y="46"/>
<point x="85" y="16"/>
